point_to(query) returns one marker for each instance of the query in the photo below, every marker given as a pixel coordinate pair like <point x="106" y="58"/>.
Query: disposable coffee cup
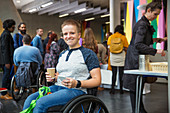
<point x="51" y="72"/>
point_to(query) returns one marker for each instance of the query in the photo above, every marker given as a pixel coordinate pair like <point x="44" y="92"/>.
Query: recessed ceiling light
<point x="107" y="22"/>
<point x="63" y="15"/>
<point x="102" y="16"/>
<point x="18" y="1"/>
<point x="88" y="19"/>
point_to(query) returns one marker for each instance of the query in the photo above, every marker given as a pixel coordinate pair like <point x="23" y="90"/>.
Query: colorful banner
<point x="133" y="14"/>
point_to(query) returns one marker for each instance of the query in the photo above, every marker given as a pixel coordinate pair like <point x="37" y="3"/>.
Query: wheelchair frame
<point x="41" y="81"/>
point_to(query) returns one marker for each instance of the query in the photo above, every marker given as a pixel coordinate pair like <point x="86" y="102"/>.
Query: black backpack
<point x="24" y="75"/>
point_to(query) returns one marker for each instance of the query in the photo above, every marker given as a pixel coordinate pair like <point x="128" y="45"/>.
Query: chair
<point x="39" y="81"/>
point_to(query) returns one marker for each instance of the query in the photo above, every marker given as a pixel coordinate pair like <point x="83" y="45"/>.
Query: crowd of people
<point x="77" y="59"/>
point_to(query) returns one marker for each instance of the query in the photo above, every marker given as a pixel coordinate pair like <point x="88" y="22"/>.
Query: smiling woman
<point x="76" y="65"/>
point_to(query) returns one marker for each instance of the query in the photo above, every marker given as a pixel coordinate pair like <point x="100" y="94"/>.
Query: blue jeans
<point x="60" y="96"/>
<point x="6" y="79"/>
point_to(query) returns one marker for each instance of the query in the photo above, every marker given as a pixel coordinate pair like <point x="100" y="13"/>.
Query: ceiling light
<point x="47" y="4"/>
<point x="107" y="22"/>
<point x="88" y="19"/>
<point x="32" y="10"/>
<point x="80" y="10"/>
<point x="63" y="15"/>
<point x="102" y="16"/>
<point x="18" y="1"/>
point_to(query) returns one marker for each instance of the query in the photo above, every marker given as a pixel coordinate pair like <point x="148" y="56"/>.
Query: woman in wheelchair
<point x="74" y="66"/>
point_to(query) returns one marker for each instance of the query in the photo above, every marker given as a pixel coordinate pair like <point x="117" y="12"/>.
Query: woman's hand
<point x="69" y="82"/>
<point x="49" y="78"/>
<point x="161" y="51"/>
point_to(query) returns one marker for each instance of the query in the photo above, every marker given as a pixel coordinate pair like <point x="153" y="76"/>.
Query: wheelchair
<point x="81" y="104"/>
<point x="87" y="103"/>
<point x="40" y="81"/>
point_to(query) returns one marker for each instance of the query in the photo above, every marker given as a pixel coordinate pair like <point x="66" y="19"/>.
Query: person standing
<point x="62" y="44"/>
<point x="18" y="36"/>
<point x="46" y="40"/>
<point x="90" y="40"/>
<point x="7" y="50"/>
<point x="117" y="60"/>
<point x="140" y="45"/>
<point x="101" y="53"/>
<point x="108" y="34"/>
<point x="52" y="52"/>
<point x="37" y="42"/>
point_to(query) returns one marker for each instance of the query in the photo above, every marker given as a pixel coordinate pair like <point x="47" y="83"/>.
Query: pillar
<point x="8" y="11"/>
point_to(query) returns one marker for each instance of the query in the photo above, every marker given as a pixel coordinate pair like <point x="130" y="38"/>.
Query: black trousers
<point x="114" y="74"/>
<point x="133" y="101"/>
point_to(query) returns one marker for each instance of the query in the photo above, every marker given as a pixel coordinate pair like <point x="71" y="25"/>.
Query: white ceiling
<point x="95" y="7"/>
<point x="60" y="7"/>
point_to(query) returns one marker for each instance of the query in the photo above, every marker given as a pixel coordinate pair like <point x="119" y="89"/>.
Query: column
<point x="9" y="11"/>
<point x="114" y="14"/>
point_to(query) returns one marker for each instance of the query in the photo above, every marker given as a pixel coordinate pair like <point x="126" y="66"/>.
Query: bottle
<point x="158" y="46"/>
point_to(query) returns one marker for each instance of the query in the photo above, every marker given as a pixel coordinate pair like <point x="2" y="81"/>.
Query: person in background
<point x="52" y="52"/>
<point x="81" y="41"/>
<point x="18" y="36"/>
<point x="117" y="60"/>
<point x="105" y="42"/>
<point x="37" y="41"/>
<point x="46" y="40"/>
<point x="89" y="40"/>
<point x="101" y="53"/>
<point x="62" y="44"/>
<point x="7" y="50"/>
<point x="28" y="53"/>
<point x="140" y="45"/>
<point x="76" y="64"/>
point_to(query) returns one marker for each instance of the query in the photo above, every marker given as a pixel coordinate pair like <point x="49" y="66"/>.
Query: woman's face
<point x="151" y="15"/>
<point x="71" y="36"/>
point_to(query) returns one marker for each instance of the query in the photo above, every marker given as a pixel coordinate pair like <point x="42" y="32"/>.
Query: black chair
<point x="38" y="80"/>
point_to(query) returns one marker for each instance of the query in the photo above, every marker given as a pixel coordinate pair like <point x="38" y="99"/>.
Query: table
<point x="140" y="74"/>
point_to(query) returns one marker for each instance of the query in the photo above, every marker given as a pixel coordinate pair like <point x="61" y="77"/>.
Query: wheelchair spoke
<point x="89" y="107"/>
<point x="82" y="108"/>
<point x="99" y="110"/>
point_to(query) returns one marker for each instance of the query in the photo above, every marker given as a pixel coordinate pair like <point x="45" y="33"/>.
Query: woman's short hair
<point x="153" y="6"/>
<point x="27" y="39"/>
<point x="8" y="23"/>
<point x="72" y="22"/>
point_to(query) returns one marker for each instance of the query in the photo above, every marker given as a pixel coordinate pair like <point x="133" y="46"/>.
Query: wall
<point x="53" y="22"/>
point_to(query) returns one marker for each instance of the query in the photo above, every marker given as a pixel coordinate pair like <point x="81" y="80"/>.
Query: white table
<point x="140" y="75"/>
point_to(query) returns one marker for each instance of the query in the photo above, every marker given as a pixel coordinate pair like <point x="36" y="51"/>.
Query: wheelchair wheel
<point x="41" y="80"/>
<point x="86" y="104"/>
<point x="16" y="94"/>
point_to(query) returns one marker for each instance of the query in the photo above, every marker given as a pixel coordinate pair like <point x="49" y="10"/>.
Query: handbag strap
<point x="42" y="92"/>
